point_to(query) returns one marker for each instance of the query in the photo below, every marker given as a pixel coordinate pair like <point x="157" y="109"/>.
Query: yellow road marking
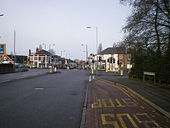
<point x="110" y="102"/>
<point x="104" y="120"/>
<point x="142" y="107"/>
<point x="119" y="116"/>
<point x="120" y="88"/>
<point x="97" y="104"/>
<point x="147" y="120"/>
<point x="119" y="104"/>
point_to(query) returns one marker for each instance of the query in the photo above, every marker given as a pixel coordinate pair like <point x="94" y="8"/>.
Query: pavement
<point x="112" y="105"/>
<point x="159" y="95"/>
<point x="20" y="75"/>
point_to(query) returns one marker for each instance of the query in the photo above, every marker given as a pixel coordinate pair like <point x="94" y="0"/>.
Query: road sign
<point x="6" y="59"/>
<point x="2" y="49"/>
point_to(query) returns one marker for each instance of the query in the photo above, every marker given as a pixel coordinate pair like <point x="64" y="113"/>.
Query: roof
<point x="43" y="52"/>
<point x="113" y="50"/>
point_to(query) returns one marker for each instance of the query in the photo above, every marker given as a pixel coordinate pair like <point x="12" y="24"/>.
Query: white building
<point x="42" y="59"/>
<point x="114" y="59"/>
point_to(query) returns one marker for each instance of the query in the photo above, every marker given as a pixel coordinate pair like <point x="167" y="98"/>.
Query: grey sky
<point x="61" y="22"/>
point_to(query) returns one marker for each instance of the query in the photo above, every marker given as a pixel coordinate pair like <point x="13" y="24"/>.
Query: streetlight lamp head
<point x="88" y="27"/>
<point x="2" y="15"/>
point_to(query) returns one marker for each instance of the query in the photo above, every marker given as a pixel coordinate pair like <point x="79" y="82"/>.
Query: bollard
<point x="93" y="77"/>
<point x="50" y="67"/>
<point x="90" y="78"/>
<point x="55" y="69"/>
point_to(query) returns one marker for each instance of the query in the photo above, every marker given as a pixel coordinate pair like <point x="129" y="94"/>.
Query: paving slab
<point x="111" y="105"/>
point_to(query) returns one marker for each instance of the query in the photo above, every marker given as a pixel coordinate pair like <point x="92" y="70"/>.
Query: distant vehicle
<point x="20" y="67"/>
<point x="72" y="65"/>
<point x="29" y="66"/>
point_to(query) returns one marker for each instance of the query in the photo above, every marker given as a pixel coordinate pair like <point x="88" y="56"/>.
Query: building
<point x="42" y="59"/>
<point x="22" y="59"/>
<point x="114" y="59"/>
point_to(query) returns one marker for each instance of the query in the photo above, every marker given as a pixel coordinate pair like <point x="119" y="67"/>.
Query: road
<point x="18" y="75"/>
<point x="49" y="101"/>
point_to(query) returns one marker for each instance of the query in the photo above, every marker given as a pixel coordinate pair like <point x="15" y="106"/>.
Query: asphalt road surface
<point x="50" y="101"/>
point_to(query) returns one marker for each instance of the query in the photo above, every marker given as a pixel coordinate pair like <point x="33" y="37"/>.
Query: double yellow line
<point x="118" y="86"/>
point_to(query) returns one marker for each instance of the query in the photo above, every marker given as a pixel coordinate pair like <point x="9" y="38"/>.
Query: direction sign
<point x="2" y="49"/>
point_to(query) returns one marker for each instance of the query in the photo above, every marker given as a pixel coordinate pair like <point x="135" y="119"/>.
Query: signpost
<point x="149" y="74"/>
<point x="2" y="49"/>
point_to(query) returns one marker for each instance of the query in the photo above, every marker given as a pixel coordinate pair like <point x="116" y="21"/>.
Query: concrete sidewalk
<point x="19" y="75"/>
<point x="156" y="94"/>
<point x="111" y="105"/>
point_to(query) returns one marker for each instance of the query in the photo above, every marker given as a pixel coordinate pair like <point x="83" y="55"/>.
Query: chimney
<point x="37" y="50"/>
<point x="29" y="51"/>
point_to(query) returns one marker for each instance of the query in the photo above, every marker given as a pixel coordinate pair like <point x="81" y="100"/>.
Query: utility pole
<point x="96" y="28"/>
<point x="14" y="46"/>
<point x="86" y="51"/>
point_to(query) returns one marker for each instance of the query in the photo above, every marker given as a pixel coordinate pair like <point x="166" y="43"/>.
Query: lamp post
<point x="86" y="50"/>
<point x="52" y="53"/>
<point x="96" y="28"/>
<point x="14" y="46"/>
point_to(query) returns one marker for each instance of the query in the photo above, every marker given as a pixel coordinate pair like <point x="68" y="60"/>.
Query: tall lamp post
<point x="86" y="50"/>
<point x="1" y="15"/>
<point x="96" y="28"/>
<point x="14" y="46"/>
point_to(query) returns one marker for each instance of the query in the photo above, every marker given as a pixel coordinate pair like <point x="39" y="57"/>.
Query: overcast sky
<point x="61" y="22"/>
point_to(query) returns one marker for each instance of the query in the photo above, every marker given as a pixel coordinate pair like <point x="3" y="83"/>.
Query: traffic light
<point x="118" y="62"/>
<point x="108" y="60"/>
<point x="111" y="60"/>
<point x="52" y="58"/>
<point x="100" y="58"/>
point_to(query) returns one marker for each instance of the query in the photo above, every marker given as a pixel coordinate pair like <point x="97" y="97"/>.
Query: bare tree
<point x="148" y="35"/>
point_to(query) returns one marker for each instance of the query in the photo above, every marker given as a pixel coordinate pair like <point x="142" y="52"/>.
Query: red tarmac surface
<point x="113" y="106"/>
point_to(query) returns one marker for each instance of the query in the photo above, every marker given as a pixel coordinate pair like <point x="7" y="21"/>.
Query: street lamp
<point x="2" y="15"/>
<point x="86" y="50"/>
<point x="96" y="28"/>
